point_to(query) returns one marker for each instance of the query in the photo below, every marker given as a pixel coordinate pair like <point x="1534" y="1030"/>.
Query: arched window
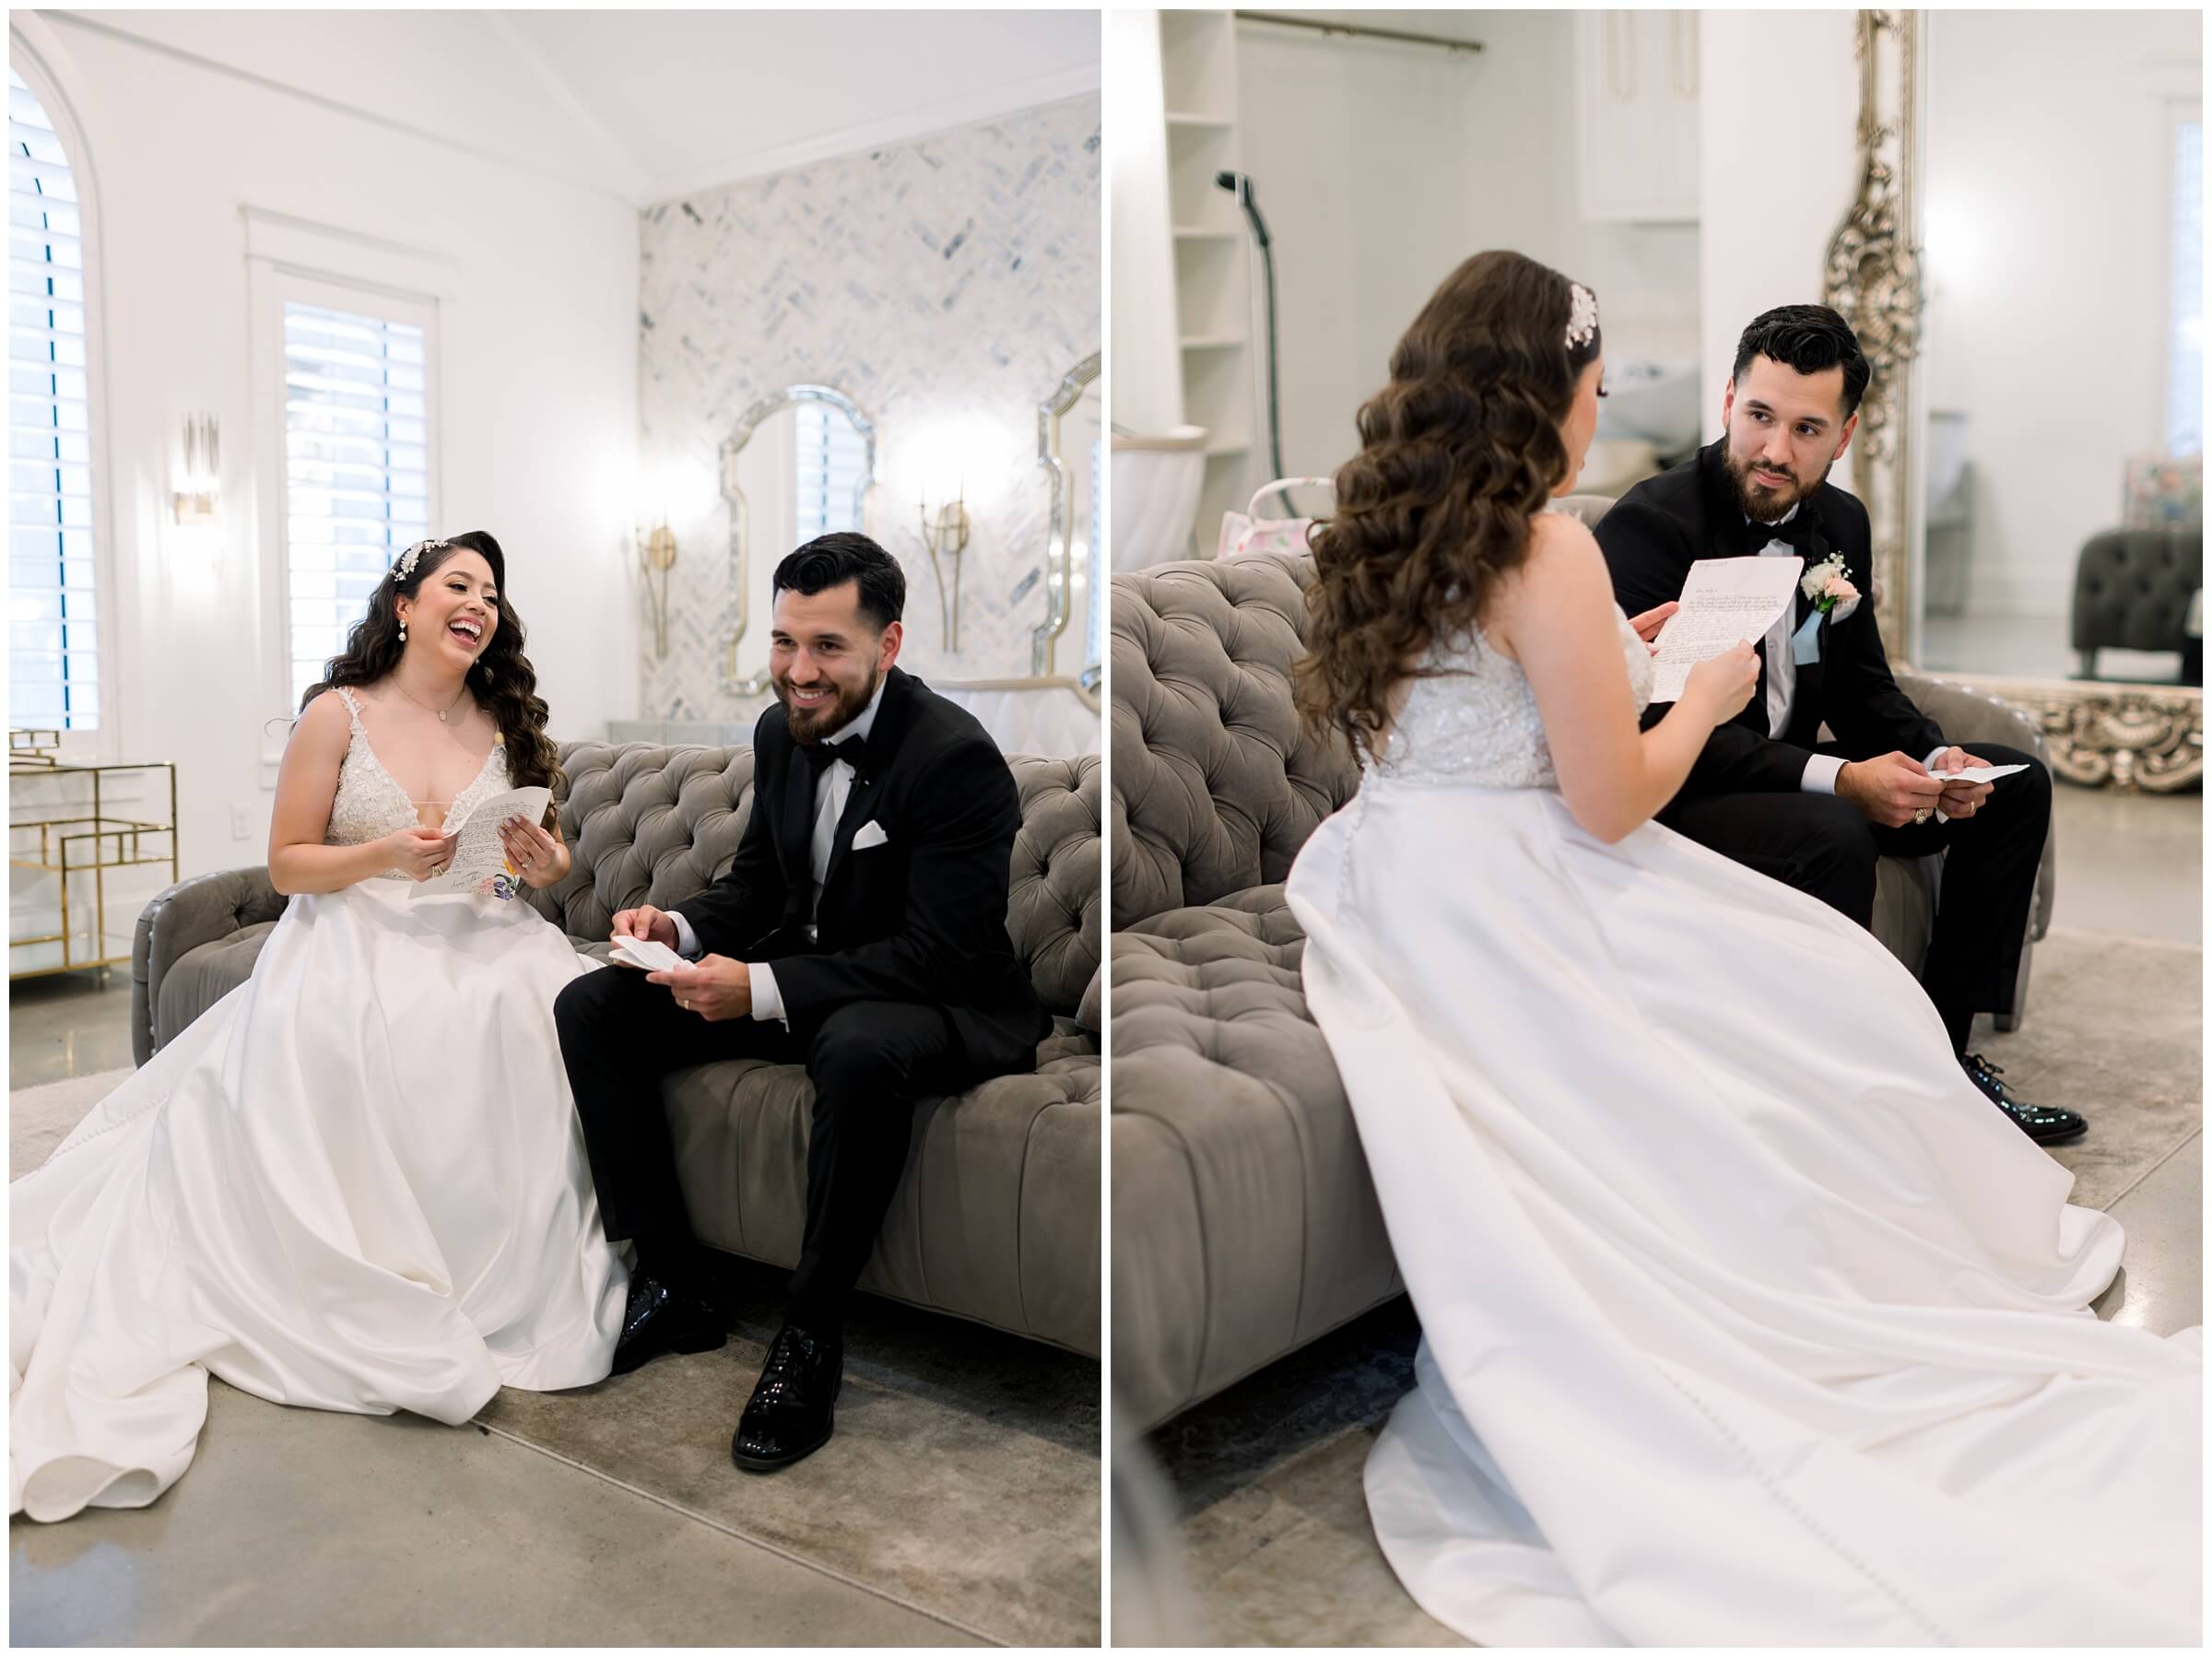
<point x="831" y="457"/>
<point x="52" y="649"/>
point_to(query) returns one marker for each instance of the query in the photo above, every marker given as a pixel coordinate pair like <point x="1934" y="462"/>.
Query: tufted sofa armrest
<point x="1053" y="895"/>
<point x="1216" y="782"/>
<point x="1968" y="716"/>
<point x="208" y="908"/>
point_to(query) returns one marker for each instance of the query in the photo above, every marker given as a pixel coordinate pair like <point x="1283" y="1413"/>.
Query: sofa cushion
<point x="1245" y="1222"/>
<point x="997" y="1216"/>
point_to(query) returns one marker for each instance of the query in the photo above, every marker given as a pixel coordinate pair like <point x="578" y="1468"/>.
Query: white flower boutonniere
<point x="1826" y="585"/>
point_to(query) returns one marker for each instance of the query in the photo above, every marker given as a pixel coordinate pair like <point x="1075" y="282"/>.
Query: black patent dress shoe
<point x="2046" y="1124"/>
<point x="656" y="1319"/>
<point x="789" y="1416"/>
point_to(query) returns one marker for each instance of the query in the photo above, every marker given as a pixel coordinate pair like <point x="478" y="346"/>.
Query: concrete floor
<point x="958" y="1504"/>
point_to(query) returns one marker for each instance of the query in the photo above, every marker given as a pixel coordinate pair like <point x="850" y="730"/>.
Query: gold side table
<point x="65" y="843"/>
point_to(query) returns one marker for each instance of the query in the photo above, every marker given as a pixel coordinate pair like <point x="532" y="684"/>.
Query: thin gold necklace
<point x="440" y="712"/>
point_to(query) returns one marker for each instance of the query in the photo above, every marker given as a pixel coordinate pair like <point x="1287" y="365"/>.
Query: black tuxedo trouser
<point x="869" y="1061"/>
<point x="1826" y="847"/>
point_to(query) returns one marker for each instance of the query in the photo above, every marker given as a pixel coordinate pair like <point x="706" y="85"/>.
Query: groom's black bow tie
<point x="821" y="755"/>
<point x="1796" y="533"/>
<point x="1801" y="531"/>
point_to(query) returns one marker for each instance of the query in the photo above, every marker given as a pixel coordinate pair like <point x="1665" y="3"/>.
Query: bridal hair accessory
<point x="403" y="566"/>
<point x="1582" y="318"/>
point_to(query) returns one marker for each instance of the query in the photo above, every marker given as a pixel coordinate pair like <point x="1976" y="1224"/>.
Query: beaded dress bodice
<point x="1473" y="719"/>
<point x="371" y="803"/>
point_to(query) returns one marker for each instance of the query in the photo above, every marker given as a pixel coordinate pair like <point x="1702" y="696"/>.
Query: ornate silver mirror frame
<point x="2148" y="737"/>
<point x="740" y="522"/>
<point x="1059" y="558"/>
<point x="1872" y="279"/>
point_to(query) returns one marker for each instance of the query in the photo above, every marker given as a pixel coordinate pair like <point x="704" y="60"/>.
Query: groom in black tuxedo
<point x="1766" y="790"/>
<point x="861" y="931"/>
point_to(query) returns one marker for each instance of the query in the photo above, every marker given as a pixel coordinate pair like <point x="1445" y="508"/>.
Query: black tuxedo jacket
<point x="921" y="917"/>
<point x="1658" y="529"/>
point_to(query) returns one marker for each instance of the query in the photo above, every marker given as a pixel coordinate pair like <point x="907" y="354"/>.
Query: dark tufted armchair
<point x="1244" y="1222"/>
<point x="2132" y="589"/>
<point x="997" y="1215"/>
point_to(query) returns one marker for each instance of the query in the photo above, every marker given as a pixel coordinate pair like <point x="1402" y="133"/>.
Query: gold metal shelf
<point x="79" y="837"/>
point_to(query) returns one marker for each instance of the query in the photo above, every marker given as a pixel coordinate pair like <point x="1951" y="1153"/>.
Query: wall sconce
<point x="945" y="533"/>
<point x="198" y="498"/>
<point x="656" y="557"/>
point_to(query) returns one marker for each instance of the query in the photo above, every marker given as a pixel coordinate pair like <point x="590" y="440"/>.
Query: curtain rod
<point x="1323" y="27"/>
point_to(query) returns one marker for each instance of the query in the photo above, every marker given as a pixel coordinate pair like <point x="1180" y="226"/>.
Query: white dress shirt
<point x="832" y="788"/>
<point x="1819" y="776"/>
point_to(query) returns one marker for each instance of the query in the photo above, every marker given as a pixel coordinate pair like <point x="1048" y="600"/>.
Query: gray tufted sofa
<point x="997" y="1214"/>
<point x="2132" y="589"/>
<point x="1245" y="1223"/>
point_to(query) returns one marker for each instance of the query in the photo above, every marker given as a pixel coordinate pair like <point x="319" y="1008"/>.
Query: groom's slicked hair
<point x="831" y="561"/>
<point x="1808" y="338"/>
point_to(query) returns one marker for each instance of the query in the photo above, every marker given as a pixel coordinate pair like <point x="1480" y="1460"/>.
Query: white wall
<point x="2048" y="237"/>
<point x="1147" y="370"/>
<point x="1777" y="160"/>
<point x="535" y="421"/>
<point x="1380" y="166"/>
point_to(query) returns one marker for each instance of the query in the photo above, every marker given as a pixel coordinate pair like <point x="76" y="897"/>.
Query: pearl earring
<point x="403" y="632"/>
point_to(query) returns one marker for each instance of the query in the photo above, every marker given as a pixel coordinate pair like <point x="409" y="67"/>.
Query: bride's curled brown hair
<point x="1458" y="453"/>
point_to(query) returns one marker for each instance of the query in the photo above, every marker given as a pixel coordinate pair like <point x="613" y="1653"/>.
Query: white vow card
<point x="1724" y="601"/>
<point x="1978" y="773"/>
<point x="645" y="953"/>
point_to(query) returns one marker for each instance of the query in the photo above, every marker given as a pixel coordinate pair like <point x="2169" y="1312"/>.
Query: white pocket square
<point x="870" y="834"/>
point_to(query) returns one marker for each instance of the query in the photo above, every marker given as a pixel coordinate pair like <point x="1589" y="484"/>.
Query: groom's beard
<point x="1763" y="504"/>
<point x="810" y="725"/>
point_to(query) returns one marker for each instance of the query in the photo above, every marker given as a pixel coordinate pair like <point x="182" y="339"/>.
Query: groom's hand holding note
<point x="1893" y="790"/>
<point x="1963" y="795"/>
<point x="654" y="925"/>
<point x="714" y="987"/>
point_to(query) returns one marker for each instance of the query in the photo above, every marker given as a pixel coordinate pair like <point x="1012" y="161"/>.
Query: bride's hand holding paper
<point x="530" y="849"/>
<point x="1647" y="625"/>
<point x="1724" y="601"/>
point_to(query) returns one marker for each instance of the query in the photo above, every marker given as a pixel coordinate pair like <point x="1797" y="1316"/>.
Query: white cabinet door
<point x="1636" y="88"/>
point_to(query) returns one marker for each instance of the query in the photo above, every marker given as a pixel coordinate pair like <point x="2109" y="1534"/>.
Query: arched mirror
<point x="1071" y="431"/>
<point x="798" y="464"/>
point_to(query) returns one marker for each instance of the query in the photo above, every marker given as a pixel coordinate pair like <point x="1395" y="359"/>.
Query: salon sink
<point x="1654" y="401"/>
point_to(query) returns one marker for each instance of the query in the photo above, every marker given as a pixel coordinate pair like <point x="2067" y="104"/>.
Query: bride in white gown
<point x="1746" y="1319"/>
<point x="356" y="1181"/>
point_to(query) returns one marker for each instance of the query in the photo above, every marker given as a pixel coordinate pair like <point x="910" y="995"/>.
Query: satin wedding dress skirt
<point x="1747" y="1319"/>
<point x="356" y="1182"/>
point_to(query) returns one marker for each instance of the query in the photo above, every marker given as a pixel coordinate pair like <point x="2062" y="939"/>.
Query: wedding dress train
<point x="356" y="1182"/>
<point x="1746" y="1318"/>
